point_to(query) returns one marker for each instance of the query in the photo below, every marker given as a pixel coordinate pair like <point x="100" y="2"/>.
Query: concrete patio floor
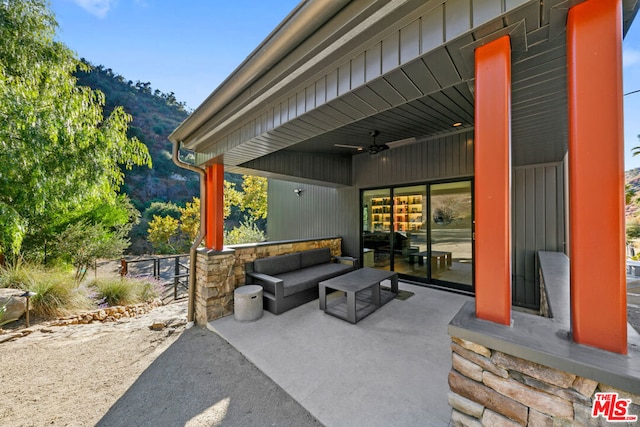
<point x="389" y="369"/>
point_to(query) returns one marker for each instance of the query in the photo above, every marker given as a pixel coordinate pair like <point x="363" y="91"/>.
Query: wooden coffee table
<point x="362" y="291"/>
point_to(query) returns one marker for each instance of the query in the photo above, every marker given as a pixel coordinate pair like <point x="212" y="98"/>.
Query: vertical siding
<point x="318" y="212"/>
<point x="441" y="158"/>
<point x="537" y="224"/>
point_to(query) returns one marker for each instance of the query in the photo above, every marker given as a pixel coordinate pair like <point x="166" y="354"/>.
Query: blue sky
<point x="189" y="47"/>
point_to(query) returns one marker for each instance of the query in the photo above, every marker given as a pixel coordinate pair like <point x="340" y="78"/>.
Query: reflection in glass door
<point x="376" y="229"/>
<point x="410" y="230"/>
<point x="423" y="232"/>
<point x="451" y="232"/>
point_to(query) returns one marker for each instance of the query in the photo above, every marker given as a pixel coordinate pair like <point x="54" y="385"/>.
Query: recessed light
<point x="455" y="125"/>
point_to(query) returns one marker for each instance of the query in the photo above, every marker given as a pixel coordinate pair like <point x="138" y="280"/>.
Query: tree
<point x="190" y="219"/>
<point x="58" y="153"/>
<point x="254" y="196"/>
<point x="163" y="233"/>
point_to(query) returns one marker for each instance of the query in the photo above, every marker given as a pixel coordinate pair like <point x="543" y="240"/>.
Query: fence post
<point x="176" y="273"/>
<point x="124" y="269"/>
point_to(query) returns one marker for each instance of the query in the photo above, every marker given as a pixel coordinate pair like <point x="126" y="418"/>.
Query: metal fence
<point x="171" y="271"/>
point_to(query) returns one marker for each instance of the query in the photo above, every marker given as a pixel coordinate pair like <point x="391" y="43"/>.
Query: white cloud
<point x="630" y="57"/>
<point x="98" y="8"/>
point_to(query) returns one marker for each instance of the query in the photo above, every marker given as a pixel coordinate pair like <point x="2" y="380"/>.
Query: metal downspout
<point x="196" y="243"/>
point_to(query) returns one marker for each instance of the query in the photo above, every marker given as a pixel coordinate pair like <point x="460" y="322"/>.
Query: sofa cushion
<point x="307" y="278"/>
<point x="315" y="256"/>
<point x="277" y="264"/>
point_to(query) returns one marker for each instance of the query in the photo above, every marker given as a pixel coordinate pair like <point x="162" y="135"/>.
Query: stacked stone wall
<point x="218" y="274"/>
<point x="491" y="388"/>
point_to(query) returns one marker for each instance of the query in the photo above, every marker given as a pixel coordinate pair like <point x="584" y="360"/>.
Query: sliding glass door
<point x="451" y="232"/>
<point x="423" y="232"/>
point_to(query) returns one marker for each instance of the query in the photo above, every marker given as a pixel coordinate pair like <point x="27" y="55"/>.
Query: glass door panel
<point x="376" y="228"/>
<point x="451" y="230"/>
<point x="410" y="230"/>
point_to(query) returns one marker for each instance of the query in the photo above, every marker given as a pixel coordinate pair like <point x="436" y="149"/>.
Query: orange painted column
<point x="492" y="171"/>
<point x="214" y="207"/>
<point x="596" y="175"/>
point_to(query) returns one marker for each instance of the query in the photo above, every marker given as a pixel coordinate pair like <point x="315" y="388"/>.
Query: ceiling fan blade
<point x="356" y="147"/>
<point x="401" y="142"/>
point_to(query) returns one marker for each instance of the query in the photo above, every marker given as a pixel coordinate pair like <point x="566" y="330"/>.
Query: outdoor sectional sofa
<point x="292" y="280"/>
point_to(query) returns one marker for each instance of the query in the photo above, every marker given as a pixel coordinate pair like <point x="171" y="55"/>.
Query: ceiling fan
<point x="372" y="149"/>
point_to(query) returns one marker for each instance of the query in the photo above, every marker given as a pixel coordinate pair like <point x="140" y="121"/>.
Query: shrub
<point x="123" y="291"/>
<point x="247" y="232"/>
<point x="17" y="275"/>
<point x="56" y="294"/>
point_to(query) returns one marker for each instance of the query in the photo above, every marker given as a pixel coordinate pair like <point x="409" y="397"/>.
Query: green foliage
<point x="162" y="209"/>
<point x="83" y="243"/>
<point x="18" y="274"/>
<point x="252" y="199"/>
<point x="190" y="219"/>
<point x="56" y="294"/>
<point x="171" y="235"/>
<point x="247" y="232"/>
<point x="59" y="154"/>
<point x="163" y="234"/>
<point x="633" y="229"/>
<point x="123" y="291"/>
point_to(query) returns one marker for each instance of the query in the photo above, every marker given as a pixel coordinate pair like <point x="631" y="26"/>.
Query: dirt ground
<point x="72" y="375"/>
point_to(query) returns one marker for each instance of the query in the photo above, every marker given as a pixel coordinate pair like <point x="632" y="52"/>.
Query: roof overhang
<point x="334" y="70"/>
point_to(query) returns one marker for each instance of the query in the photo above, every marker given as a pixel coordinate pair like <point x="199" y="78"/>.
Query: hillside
<point x="632" y="178"/>
<point x="155" y="115"/>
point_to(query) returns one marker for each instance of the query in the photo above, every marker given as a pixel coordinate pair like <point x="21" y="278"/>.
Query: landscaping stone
<point x="543" y="402"/>
<point x="466" y="367"/>
<point x="568" y="394"/>
<point x="461" y="420"/>
<point x="487" y="397"/>
<point x="14" y="305"/>
<point x="521" y="391"/>
<point x="466" y="406"/>
<point x="584" y="386"/>
<point x="476" y="348"/>
<point x="538" y="419"/>
<point x="158" y="326"/>
<point x="482" y="361"/>
<point x="543" y="373"/>
<point x="490" y="418"/>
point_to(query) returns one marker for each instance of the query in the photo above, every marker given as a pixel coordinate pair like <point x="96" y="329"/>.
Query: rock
<point x="158" y="326"/>
<point x="466" y="406"/>
<point x="9" y="337"/>
<point x="14" y="305"/>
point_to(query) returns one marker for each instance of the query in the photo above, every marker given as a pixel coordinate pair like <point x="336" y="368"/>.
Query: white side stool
<point x="247" y="301"/>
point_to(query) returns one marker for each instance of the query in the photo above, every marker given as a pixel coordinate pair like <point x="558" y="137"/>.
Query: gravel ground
<point x="126" y="374"/>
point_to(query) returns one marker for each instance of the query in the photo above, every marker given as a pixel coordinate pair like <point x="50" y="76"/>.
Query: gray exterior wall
<point x="317" y="212"/>
<point x="538" y="224"/>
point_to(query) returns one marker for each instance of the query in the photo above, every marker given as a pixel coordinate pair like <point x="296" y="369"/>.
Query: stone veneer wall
<point x="219" y="273"/>
<point x="491" y="388"/>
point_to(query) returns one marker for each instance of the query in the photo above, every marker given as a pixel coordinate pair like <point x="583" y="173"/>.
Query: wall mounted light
<point x="298" y="192"/>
